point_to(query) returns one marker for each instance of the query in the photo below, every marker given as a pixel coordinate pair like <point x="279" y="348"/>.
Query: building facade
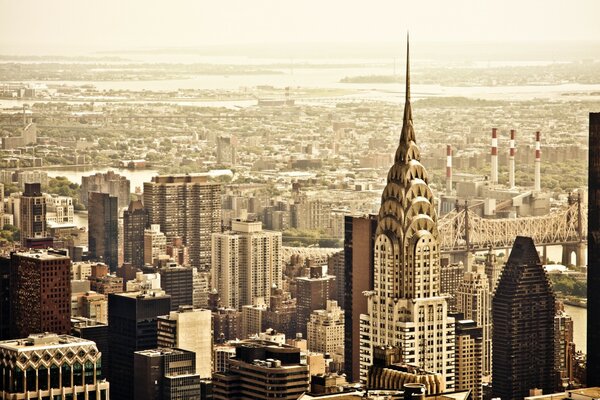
<point x="593" y="258"/>
<point x="469" y="358"/>
<point x="103" y="231"/>
<point x="32" y="215"/>
<point x="406" y="308"/>
<point x="312" y="293"/>
<point x="186" y="206"/>
<point x="114" y="184"/>
<point x="135" y="222"/>
<point x="325" y="330"/>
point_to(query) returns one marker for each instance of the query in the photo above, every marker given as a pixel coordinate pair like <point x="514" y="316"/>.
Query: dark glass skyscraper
<point x="103" y="216"/>
<point x="593" y="295"/>
<point x="523" y="311"/>
<point x="135" y="221"/>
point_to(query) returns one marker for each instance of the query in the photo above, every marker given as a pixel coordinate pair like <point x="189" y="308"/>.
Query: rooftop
<point x="44" y="340"/>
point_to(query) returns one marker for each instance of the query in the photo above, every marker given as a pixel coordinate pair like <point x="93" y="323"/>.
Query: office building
<point x="336" y="266"/>
<point x="96" y="332"/>
<point x="165" y="374"/>
<point x="258" y="262"/>
<point x="252" y="316"/>
<point x="359" y="244"/>
<point x="201" y="288"/>
<point x="103" y="229"/>
<point x="325" y="330"/>
<point x="262" y="370"/>
<point x="186" y="206"/>
<point x="189" y="329"/>
<point x="32" y="215"/>
<point x="135" y="222"/>
<point x="177" y="281"/>
<point x="281" y="313"/>
<point x="59" y="210"/>
<point x="40" y="293"/>
<point x="114" y="184"/>
<point x="5" y="302"/>
<point x="312" y="293"/>
<point x="474" y="301"/>
<point x="132" y="326"/>
<point x="406" y="308"/>
<point x="49" y="366"/>
<point x="451" y="275"/>
<point x="593" y="257"/>
<point x="155" y="245"/>
<point x="469" y="358"/>
<point x="227" y="324"/>
<point x="564" y="347"/>
<point x="523" y="311"/>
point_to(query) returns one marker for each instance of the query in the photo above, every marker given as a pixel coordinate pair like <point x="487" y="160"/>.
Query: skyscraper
<point x="40" y="293"/>
<point x="593" y="294"/>
<point x="114" y="184"/>
<point x="186" y="206"/>
<point x="406" y="310"/>
<point x="313" y="291"/>
<point x="32" y="213"/>
<point x="325" y="330"/>
<point x="132" y="326"/>
<point x="359" y="242"/>
<point x="469" y="346"/>
<point x="523" y="312"/>
<point x="103" y="229"/>
<point x="135" y="221"/>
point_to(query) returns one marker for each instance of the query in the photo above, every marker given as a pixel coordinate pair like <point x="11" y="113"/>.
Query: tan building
<point x="155" y="244"/>
<point x="94" y="306"/>
<point x="32" y="215"/>
<point x="252" y="319"/>
<point x="469" y="358"/>
<point x="325" y="330"/>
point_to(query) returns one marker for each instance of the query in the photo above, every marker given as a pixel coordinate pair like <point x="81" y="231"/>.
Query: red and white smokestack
<point x="537" y="186"/>
<point x="449" y="169"/>
<point x="494" y="156"/>
<point x="511" y="160"/>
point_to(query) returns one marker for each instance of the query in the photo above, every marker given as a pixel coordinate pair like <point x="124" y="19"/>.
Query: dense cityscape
<point x="393" y="227"/>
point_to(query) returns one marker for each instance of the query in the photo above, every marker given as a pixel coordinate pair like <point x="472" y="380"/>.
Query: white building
<point x="155" y="244"/>
<point x="189" y="329"/>
<point x="325" y="330"/>
<point x="59" y="209"/>
<point x="406" y="309"/>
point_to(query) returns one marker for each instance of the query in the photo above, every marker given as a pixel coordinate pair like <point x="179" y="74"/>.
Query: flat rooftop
<point x="40" y="341"/>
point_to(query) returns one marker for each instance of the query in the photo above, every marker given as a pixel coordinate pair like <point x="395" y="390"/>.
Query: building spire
<point x="408" y="133"/>
<point x="407" y="92"/>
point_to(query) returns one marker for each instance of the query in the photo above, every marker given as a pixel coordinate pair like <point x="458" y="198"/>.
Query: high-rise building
<point x="523" y="310"/>
<point x="189" y="329"/>
<point x="281" y="313"/>
<point x="201" y="288"/>
<point x="114" y="184"/>
<point x="132" y="326"/>
<point x="227" y="324"/>
<point x="96" y="332"/>
<point x="135" y="222"/>
<point x="165" y="374"/>
<point x="262" y="370"/>
<point x="32" y="213"/>
<point x="177" y="281"/>
<point x="186" y="206"/>
<point x="59" y="210"/>
<point x="155" y="244"/>
<point x="103" y="229"/>
<point x="469" y="346"/>
<point x="359" y="243"/>
<point x="51" y="366"/>
<point x="40" y="293"/>
<point x="406" y="308"/>
<point x="312" y="293"/>
<point x="493" y="269"/>
<point x="5" y="300"/>
<point x="593" y="257"/>
<point x="474" y="301"/>
<point x="325" y="330"/>
<point x="336" y="265"/>
<point x="563" y="345"/>
<point x="259" y="263"/>
<point x="450" y="278"/>
<point x="252" y="315"/>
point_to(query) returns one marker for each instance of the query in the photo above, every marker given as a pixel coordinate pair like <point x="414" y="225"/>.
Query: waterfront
<point x="579" y="316"/>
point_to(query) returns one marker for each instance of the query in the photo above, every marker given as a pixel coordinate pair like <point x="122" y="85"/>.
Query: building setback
<point x="186" y="206"/>
<point x="523" y="310"/>
<point x="40" y="293"/>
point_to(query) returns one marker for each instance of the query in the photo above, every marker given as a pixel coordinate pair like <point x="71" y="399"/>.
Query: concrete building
<point x="359" y="244"/>
<point x="474" y="301"/>
<point x="59" y="210"/>
<point x="132" y="326"/>
<point x="564" y="348"/>
<point x="325" y="330"/>
<point x="281" y="313"/>
<point x="103" y="230"/>
<point x="32" y="214"/>
<point x="40" y="293"/>
<point x="406" y="308"/>
<point x="256" y="254"/>
<point x="312" y="293"/>
<point x="177" y="281"/>
<point x="523" y="311"/>
<point x="110" y="182"/>
<point x="186" y="206"/>
<point x="50" y="366"/>
<point x="189" y="329"/>
<point x="252" y="316"/>
<point x="97" y="332"/>
<point x="469" y="358"/>
<point x="227" y="324"/>
<point x="201" y="288"/>
<point x="262" y="370"/>
<point x="155" y="244"/>
<point x="135" y="222"/>
<point x="165" y="374"/>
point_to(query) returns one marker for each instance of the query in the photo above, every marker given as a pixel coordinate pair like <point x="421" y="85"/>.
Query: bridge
<point x="463" y="231"/>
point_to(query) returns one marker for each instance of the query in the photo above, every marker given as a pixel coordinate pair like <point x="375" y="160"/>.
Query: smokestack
<point x="511" y="160"/>
<point x="537" y="186"/>
<point x="449" y="170"/>
<point x="494" y="156"/>
<point x="24" y="115"/>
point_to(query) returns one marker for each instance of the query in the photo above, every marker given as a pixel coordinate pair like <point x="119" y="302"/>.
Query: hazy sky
<point x="112" y="24"/>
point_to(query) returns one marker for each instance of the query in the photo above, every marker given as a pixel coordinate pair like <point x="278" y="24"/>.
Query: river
<point x="579" y="316"/>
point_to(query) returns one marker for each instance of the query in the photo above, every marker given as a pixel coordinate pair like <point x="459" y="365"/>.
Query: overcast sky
<point x="56" y="25"/>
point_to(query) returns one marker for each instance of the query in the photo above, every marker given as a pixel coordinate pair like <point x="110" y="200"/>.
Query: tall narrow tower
<point x="511" y="160"/>
<point x="537" y="186"/>
<point x="494" y="158"/>
<point x="406" y="310"/>
<point x="449" y="169"/>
